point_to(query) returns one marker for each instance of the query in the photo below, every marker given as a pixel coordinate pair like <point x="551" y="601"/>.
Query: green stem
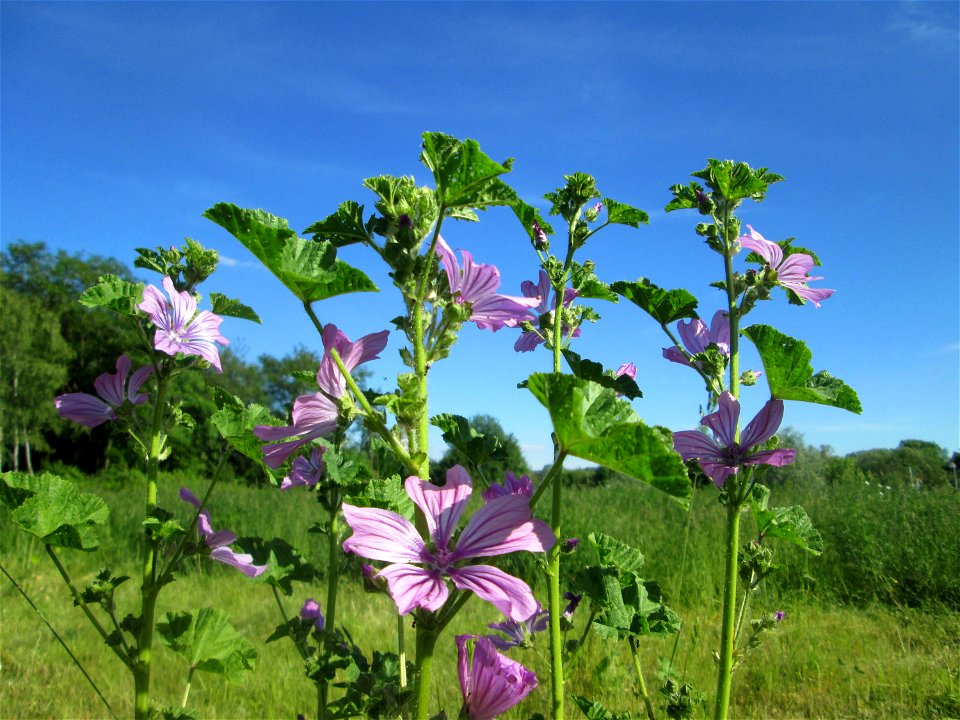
<point x="426" y="642"/>
<point x="149" y="589"/>
<point x="402" y="650"/>
<point x="333" y="577"/>
<point x="186" y="690"/>
<point x="744" y="607"/>
<point x="554" y="604"/>
<point x="583" y="639"/>
<point x="78" y="600"/>
<point x="61" y="641"/>
<point x="552" y="476"/>
<point x="641" y="685"/>
<point x="313" y="317"/>
<point x="725" y="670"/>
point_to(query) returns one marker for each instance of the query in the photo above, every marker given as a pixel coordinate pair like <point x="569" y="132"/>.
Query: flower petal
<point x="241" y="561"/>
<point x="764" y="425"/>
<point x="412" y="586"/>
<point x="383" y="535"/>
<point x="508" y="594"/>
<point x="724" y="421"/>
<point x="111" y="386"/>
<point x="503" y="526"/>
<point x="695" y="445"/>
<point x="83" y="408"/>
<point x="442" y="506"/>
<point x="777" y="458"/>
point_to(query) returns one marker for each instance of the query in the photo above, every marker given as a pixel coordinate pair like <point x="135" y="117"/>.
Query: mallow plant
<point x="434" y="546"/>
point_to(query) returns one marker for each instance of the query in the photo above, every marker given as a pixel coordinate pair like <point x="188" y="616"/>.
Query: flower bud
<point x="750" y="377"/>
<point x="540" y="241"/>
<point x="593" y="213"/>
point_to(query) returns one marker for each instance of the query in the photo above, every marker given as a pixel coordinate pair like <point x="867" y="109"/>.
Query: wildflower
<point x="512" y="485"/>
<point x="113" y="390"/>
<point x="723" y="456"/>
<point x="541" y="241"/>
<point x="180" y="328"/>
<point x="791" y="271"/>
<point x="779" y="615"/>
<point x="503" y="525"/>
<point x="628" y="369"/>
<point x="593" y="213"/>
<point x="570" y="544"/>
<point x="490" y="683"/>
<point x="573" y="602"/>
<point x="305" y="471"/>
<point x="518" y="633"/>
<point x="696" y="337"/>
<point x="317" y="414"/>
<point x="477" y="285"/>
<point x="529" y="339"/>
<point x="218" y="540"/>
<point x="311" y="611"/>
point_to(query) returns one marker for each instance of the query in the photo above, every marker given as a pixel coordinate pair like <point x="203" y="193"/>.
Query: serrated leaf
<point x="790" y="376"/>
<point x="308" y="269"/>
<point x="385" y="493"/>
<point x="235" y="422"/>
<point x="593" y="371"/>
<point x="464" y="175"/>
<point x="588" y="285"/>
<point x="528" y="215"/>
<point x="222" y="305"/>
<point x="790" y="524"/>
<point x="209" y="642"/>
<point x="595" y="710"/>
<point x="114" y="293"/>
<point x="664" y="306"/>
<point x="344" y="227"/>
<point x="476" y="447"/>
<point x="591" y="423"/>
<point x="53" y="509"/>
<point x="615" y="553"/>
<point x="622" y="214"/>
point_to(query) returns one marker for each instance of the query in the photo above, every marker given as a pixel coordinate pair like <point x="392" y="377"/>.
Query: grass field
<point x="871" y="627"/>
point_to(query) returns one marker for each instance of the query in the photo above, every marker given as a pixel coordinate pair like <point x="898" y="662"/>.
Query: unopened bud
<point x="569" y="545"/>
<point x="593" y="213"/>
<point x="540" y="241"/>
<point x="750" y="377"/>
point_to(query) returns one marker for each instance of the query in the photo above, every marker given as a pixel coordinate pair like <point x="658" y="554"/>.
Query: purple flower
<point x="490" y="683"/>
<point x="477" y="285"/>
<point x="791" y="271"/>
<point x="628" y="369"/>
<point x="218" y="540"/>
<point x="311" y="611"/>
<point x="541" y="242"/>
<point x="113" y="390"/>
<point x="723" y="456"/>
<point x="317" y="414"/>
<point x="305" y="471"/>
<point x="696" y="337"/>
<point x="779" y="615"/>
<point x="416" y="576"/>
<point x="180" y="328"/>
<point x="512" y="485"/>
<point x="529" y="339"/>
<point x="573" y="602"/>
<point x="518" y="633"/>
<point x="570" y="544"/>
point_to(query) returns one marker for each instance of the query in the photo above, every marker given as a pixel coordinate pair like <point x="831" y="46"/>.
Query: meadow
<point x="871" y="627"/>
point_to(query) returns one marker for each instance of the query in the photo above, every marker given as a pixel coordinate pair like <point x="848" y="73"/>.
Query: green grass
<point x="840" y="652"/>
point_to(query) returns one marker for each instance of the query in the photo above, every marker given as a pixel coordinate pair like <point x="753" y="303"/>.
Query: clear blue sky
<point x="123" y="122"/>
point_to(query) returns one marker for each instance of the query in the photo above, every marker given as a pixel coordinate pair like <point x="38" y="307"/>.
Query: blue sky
<point x="123" y="122"/>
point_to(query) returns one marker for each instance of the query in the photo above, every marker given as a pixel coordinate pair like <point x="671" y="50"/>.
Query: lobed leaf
<point x="228" y="307"/>
<point x="664" y="306"/>
<point x="209" y="642"/>
<point x="465" y="176"/>
<point x="114" y="293"/>
<point x="623" y="214"/>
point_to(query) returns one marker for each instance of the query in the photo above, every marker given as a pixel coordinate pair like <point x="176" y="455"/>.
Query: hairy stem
<point x="426" y="642"/>
<point x="725" y="670"/>
<point x="641" y="685"/>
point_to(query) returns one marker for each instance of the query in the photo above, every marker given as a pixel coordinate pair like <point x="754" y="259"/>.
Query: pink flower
<point x="791" y="271"/>
<point x="113" y="390"/>
<point x="529" y="339"/>
<point x="218" y="540"/>
<point x="697" y="338"/>
<point x="180" y="328"/>
<point x="518" y="633"/>
<point x="723" y="456"/>
<point x="490" y="683"/>
<point x="316" y="415"/>
<point x="511" y="485"/>
<point x="628" y="369"/>
<point x="416" y="576"/>
<point x="541" y="241"/>
<point x="477" y="285"/>
<point x="311" y="611"/>
<point x="305" y="471"/>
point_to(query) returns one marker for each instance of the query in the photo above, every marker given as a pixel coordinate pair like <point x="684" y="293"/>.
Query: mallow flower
<point x="316" y="415"/>
<point x="305" y="470"/>
<point x="311" y="611"/>
<point x="696" y="337"/>
<point x="180" y="328"/>
<point x="517" y="634"/>
<point x="114" y="390"/>
<point x="792" y="271"/>
<point x="512" y="485"/>
<point x="477" y="285"/>
<point x="218" y="540"/>
<point x="541" y="292"/>
<point x="417" y="574"/>
<point x="490" y="683"/>
<point x="722" y="456"/>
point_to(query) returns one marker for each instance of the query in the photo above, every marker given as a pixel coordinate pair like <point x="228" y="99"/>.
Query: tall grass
<point x="870" y="629"/>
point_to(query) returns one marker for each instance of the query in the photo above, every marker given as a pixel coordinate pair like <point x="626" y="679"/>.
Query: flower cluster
<point x="114" y="391"/>
<point x="316" y="415"/>
<point x="416" y="575"/>
<point x="218" y="540"/>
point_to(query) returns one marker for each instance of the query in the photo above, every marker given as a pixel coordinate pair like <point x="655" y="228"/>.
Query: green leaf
<point x="285" y="564"/>
<point x="222" y="305"/>
<point x="664" y="306"/>
<point x="621" y="214"/>
<point x="235" y="422"/>
<point x="594" y="710"/>
<point x="591" y="423"/>
<point x="344" y="227"/>
<point x="615" y="553"/>
<point x="115" y="294"/>
<point x="309" y="270"/>
<point x="464" y="175"/>
<point x="478" y="448"/>
<point x="790" y="376"/>
<point x="53" y="509"/>
<point x="385" y="493"/>
<point x="588" y="285"/>
<point x="790" y="524"/>
<point x="528" y="215"/>
<point x="594" y="372"/>
<point x="209" y="642"/>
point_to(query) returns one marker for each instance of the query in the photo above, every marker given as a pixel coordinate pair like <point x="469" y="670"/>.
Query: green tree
<point x="33" y="357"/>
